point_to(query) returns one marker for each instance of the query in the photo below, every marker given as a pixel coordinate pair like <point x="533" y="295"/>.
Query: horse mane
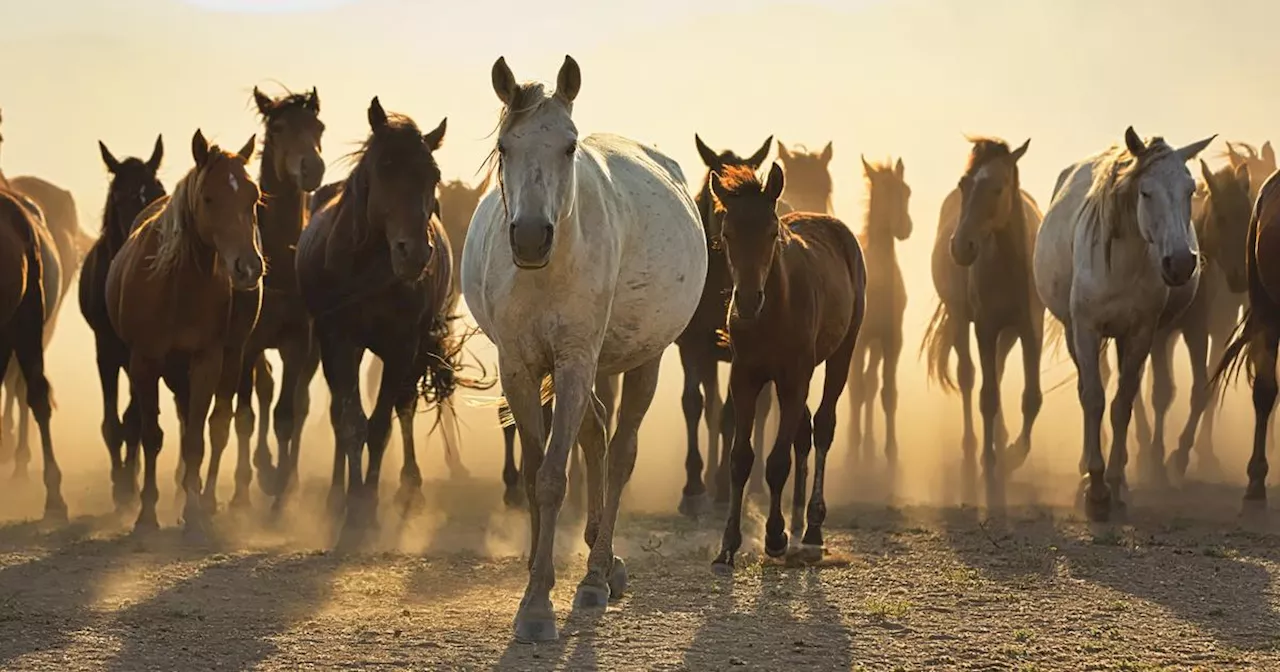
<point x="528" y="98"/>
<point x="171" y="222"/>
<point x="355" y="188"/>
<point x="875" y="167"/>
<point x="987" y="149"/>
<point x="737" y="182"/>
<point x="1110" y="207"/>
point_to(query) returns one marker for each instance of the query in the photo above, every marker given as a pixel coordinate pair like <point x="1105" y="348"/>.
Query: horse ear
<point x="199" y="148"/>
<point x="504" y="81"/>
<point x="1242" y="174"/>
<point x="867" y="169"/>
<point x="757" y="159"/>
<point x="1190" y="151"/>
<point x="1017" y="153"/>
<point x="715" y="186"/>
<point x="709" y="158"/>
<point x="1233" y="157"/>
<point x="436" y="138"/>
<point x="1133" y="143"/>
<point x="899" y="170"/>
<point x="157" y="154"/>
<point x="265" y="106"/>
<point x="246" y="152"/>
<point x="783" y="154"/>
<point x="1268" y="154"/>
<point x="773" y="187"/>
<point x="1206" y="174"/>
<point x="826" y="153"/>
<point x="377" y="115"/>
<point x="108" y="158"/>
<point x="569" y="81"/>
<point x="313" y="100"/>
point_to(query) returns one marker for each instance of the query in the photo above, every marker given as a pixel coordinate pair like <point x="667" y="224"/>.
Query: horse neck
<point x="1011" y="234"/>
<point x="114" y="232"/>
<point x="808" y="200"/>
<point x="878" y="237"/>
<point x="284" y="214"/>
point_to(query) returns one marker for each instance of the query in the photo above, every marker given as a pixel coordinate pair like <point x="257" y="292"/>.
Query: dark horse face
<point x="1227" y="226"/>
<point x="716" y="163"/>
<point x="889" y="198"/>
<point x="749" y="234"/>
<point x="988" y="194"/>
<point x="809" y="176"/>
<point x="294" y="131"/>
<point x="402" y="178"/>
<point x="134" y="186"/>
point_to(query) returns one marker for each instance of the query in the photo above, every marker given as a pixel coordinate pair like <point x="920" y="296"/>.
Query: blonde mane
<point x="169" y="218"/>
<point x="1110" y="207"/>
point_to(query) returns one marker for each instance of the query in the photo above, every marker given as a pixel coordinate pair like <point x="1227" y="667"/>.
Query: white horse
<point x="586" y="257"/>
<point x="1117" y="258"/>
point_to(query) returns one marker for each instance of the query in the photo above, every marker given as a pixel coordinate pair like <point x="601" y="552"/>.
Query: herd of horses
<point x="583" y="259"/>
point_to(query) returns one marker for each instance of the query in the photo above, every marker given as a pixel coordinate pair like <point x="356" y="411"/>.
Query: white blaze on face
<point x="235" y="186"/>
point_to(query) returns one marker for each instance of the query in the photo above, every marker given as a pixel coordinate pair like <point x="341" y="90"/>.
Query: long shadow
<point x="225" y="615"/>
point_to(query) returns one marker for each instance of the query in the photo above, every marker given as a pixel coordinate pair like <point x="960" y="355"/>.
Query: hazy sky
<point x="904" y="78"/>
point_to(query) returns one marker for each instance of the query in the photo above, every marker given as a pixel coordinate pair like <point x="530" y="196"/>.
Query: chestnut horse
<point x="291" y="168"/>
<point x="374" y="269"/>
<point x="23" y="292"/>
<point x="183" y="294"/>
<point x="133" y="187"/>
<point x="799" y="297"/>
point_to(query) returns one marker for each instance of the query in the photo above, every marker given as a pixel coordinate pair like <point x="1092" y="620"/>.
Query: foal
<point x="799" y="288"/>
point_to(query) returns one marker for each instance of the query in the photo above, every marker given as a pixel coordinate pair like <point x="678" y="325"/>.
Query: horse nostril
<point x="546" y="235"/>
<point x="402" y="248"/>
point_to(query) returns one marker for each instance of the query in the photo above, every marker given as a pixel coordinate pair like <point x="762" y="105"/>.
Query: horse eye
<point x="573" y="148"/>
<point x="502" y="149"/>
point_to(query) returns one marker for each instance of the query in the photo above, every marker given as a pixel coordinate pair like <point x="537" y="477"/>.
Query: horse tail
<point x="1238" y="354"/>
<point x="937" y="346"/>
<point x="546" y="395"/>
<point x="1055" y="334"/>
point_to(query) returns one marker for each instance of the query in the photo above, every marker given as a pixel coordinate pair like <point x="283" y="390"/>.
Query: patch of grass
<point x="1023" y="635"/>
<point x="1108" y="537"/>
<point x="887" y="608"/>
<point x="1220" y="552"/>
<point x="1011" y="651"/>
<point x="962" y="576"/>
<point x="1117" y="605"/>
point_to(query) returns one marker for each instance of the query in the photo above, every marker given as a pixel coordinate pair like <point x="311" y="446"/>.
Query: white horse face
<point x="537" y="155"/>
<point x="1164" y="218"/>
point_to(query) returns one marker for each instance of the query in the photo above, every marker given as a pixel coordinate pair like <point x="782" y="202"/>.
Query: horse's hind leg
<point x="871" y="388"/>
<point x="1263" y="351"/>
<point x="449" y="432"/>
<point x="110" y="359"/>
<point x="764" y="402"/>
<point x="1032" y="399"/>
<point x="29" y="347"/>
<point x="1132" y="352"/>
<point x="792" y="390"/>
<point x="294" y="356"/>
<point x="889" y="397"/>
<point x="802" y="445"/>
<point x="264" y="386"/>
<point x="1163" y="391"/>
<point x="8" y="427"/>
<point x="824" y="431"/>
<point x="341" y="361"/>
<point x="1201" y="441"/>
<point x="1006" y="341"/>
<point x="230" y="384"/>
<point x="512" y="495"/>
<point x="693" y="496"/>
<point x="22" y="452"/>
<point x="723" y="475"/>
<point x="604" y="569"/>
<point x="857" y="398"/>
<point x="965" y="380"/>
<point x="144" y="405"/>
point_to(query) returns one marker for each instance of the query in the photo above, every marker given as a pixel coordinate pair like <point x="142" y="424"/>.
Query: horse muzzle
<point x="531" y="242"/>
<point x="246" y="273"/>
<point x="409" y="261"/>
<point x="310" y="173"/>
<point x="747" y="305"/>
<point x="1177" y="269"/>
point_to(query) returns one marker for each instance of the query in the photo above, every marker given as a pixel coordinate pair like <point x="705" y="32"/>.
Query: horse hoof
<point x="1254" y="508"/>
<point x="241" y="501"/>
<point x="811" y="553"/>
<point x="775" y="547"/>
<point x="722" y="569"/>
<point x="1098" y="509"/>
<point x="535" y="628"/>
<point x="55" y="512"/>
<point x="695" y="506"/>
<point x="618" y="579"/>
<point x="591" y="596"/>
<point x="147" y="523"/>
<point x="513" y="498"/>
<point x="20" y="475"/>
<point x="410" y="500"/>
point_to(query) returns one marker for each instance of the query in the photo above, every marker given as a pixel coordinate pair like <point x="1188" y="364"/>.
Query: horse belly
<point x="654" y="299"/>
<point x="1053" y="265"/>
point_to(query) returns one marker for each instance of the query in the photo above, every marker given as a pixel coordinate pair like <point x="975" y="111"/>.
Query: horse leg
<point x="144" y="393"/>
<point x="889" y="397"/>
<point x="728" y="420"/>
<point x="608" y="395"/>
<point x="1132" y="352"/>
<point x="449" y="428"/>
<point x="871" y="383"/>
<point x="791" y="406"/>
<point x="742" y="385"/>
<point x="409" y="497"/>
<point x="964" y="379"/>
<point x="1093" y="401"/>
<point x="8" y="432"/>
<point x="340" y="359"/>
<point x="1163" y="391"/>
<point x="713" y="408"/>
<point x="606" y="572"/>
<point x="22" y="452"/>
<point x="1206" y="461"/>
<point x="1142" y="429"/>
<point x="989" y="404"/>
<point x="264" y="386"/>
<point x="593" y="437"/>
<point x="1005" y="346"/>
<point x="124" y="487"/>
<point x="694" y="494"/>
<point x="764" y="401"/>
<point x="535" y="618"/>
<point x="857" y="398"/>
<point x="511" y="495"/>
<point x="293" y="358"/>
<point x="232" y="384"/>
<point x="28" y="346"/>
<point x="1032" y="398"/>
<point x="802" y="445"/>
<point x="206" y="374"/>
<point x="824" y="432"/>
<point x="301" y="410"/>
<point x="1263" y="351"/>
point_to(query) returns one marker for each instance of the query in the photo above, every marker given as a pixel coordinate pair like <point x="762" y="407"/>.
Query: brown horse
<point x="133" y="187"/>
<point x="1222" y="227"/>
<point x="1258" y="334"/>
<point x="374" y="268"/>
<point x="183" y="294"/>
<point x="702" y="349"/>
<point x="23" y="292"/>
<point x="809" y="178"/>
<point x="982" y="270"/>
<point x="888" y="219"/>
<point x="291" y="168"/>
<point x="1260" y="162"/>
<point x="798" y="300"/>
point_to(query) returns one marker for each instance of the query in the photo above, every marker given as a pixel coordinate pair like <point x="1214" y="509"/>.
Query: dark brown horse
<point x="291" y="169"/>
<point x="133" y="187"/>
<point x="702" y="349"/>
<point x="1258" y="334"/>
<point x="183" y="294"/>
<point x="374" y="268"/>
<point x="888" y="219"/>
<point x="982" y="271"/>
<point x="798" y="300"/>
<point x="808" y="178"/>
<point x="23" y="291"/>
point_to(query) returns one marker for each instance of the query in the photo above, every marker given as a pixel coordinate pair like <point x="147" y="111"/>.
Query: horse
<point x="1222" y="229"/>
<point x="374" y="272"/>
<point x="133" y="187"/>
<point x="809" y="184"/>
<point x="1261" y="163"/>
<point x="1117" y="258"/>
<point x="587" y="259"/>
<point x="702" y="349"/>
<point x="880" y="341"/>
<point x="981" y="267"/>
<point x="183" y="294"/>
<point x="24" y="293"/>
<point x="799" y="298"/>
<point x="1255" y="340"/>
<point x="291" y="167"/>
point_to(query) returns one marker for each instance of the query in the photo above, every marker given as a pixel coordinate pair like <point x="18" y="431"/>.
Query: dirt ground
<point x="1183" y="584"/>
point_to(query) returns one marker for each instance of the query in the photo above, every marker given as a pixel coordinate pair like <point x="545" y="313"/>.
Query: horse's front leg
<point x="205" y="374"/>
<point x="1162" y="394"/>
<point x="22" y="452"/>
<point x="1263" y="352"/>
<point x="521" y="386"/>
<point x="743" y="384"/>
<point x="111" y="357"/>
<point x="693" y="496"/>
<point x="1093" y="401"/>
<point x="791" y="410"/>
<point x="1132" y="352"/>
<point x="1197" y="339"/>
<point x="235" y="378"/>
<point x="1032" y="398"/>
<point x="989" y="405"/>
<point x="512" y="495"/>
<point x="824" y="432"/>
<point x="409" y="497"/>
<point x="340" y="359"/>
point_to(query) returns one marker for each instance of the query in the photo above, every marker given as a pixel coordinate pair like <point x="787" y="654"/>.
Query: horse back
<point x="827" y="259"/>
<point x="1265" y="230"/>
